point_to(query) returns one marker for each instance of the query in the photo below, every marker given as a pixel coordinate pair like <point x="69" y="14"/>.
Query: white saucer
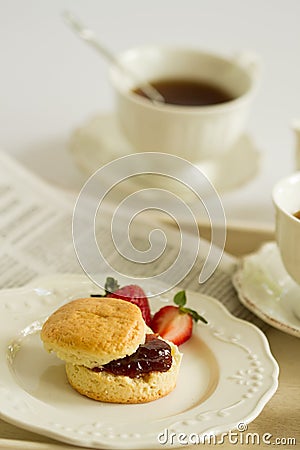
<point x="266" y="289"/>
<point x="99" y="141"/>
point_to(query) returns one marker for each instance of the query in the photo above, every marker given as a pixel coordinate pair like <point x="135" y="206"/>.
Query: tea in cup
<point x="207" y="98"/>
<point x="286" y="198"/>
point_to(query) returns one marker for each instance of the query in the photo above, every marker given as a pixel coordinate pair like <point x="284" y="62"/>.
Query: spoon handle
<point x="89" y="37"/>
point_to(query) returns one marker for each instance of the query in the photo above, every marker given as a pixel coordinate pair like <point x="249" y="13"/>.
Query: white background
<point x="50" y="82"/>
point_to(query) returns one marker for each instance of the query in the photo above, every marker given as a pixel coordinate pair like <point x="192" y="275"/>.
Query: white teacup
<point x="192" y="132"/>
<point x="286" y="198"/>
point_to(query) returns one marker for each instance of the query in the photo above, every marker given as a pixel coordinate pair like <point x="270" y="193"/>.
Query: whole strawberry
<point x="175" y="323"/>
<point x="134" y="294"/>
<point x="131" y="293"/>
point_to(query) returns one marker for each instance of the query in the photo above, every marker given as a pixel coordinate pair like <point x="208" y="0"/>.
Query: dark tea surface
<point x="189" y="92"/>
<point x="297" y="215"/>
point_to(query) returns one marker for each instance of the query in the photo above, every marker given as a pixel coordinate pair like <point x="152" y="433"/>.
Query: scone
<point x="110" y="354"/>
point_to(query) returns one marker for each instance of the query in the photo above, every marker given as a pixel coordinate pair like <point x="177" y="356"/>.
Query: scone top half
<point x="94" y="331"/>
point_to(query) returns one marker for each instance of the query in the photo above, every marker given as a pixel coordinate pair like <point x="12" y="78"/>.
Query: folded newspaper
<point x="36" y="239"/>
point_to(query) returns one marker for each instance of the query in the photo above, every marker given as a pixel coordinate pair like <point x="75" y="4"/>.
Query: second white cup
<point x="286" y="197"/>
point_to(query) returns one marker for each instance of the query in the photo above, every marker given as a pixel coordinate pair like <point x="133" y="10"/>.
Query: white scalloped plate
<point x="227" y="376"/>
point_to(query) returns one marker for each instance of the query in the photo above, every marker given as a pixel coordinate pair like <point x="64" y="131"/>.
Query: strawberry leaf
<point x="180" y="301"/>
<point x="111" y="285"/>
<point x="180" y="298"/>
<point x="195" y="316"/>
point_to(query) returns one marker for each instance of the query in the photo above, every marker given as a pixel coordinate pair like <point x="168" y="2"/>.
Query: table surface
<point x="51" y="83"/>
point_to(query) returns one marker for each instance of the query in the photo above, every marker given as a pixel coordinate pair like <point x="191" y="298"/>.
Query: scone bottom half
<point x="110" y="354"/>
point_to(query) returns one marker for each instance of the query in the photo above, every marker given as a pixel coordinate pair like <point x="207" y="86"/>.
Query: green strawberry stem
<point x="180" y="301"/>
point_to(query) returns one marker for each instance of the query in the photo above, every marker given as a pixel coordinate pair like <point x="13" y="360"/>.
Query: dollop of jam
<point x="152" y="356"/>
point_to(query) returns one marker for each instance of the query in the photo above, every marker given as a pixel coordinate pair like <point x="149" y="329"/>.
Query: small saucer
<point x="266" y="289"/>
<point x="100" y="141"/>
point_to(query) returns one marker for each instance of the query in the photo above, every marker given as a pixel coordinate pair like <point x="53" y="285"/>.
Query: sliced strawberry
<point x="134" y="294"/>
<point x="173" y="325"/>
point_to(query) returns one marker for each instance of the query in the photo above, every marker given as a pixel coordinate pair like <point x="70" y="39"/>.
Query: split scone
<point x="110" y="353"/>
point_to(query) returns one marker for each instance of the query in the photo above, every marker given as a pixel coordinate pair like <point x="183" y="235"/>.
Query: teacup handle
<point x="249" y="61"/>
